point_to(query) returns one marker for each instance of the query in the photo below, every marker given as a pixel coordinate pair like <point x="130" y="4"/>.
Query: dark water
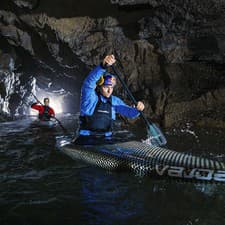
<point x="39" y="185"/>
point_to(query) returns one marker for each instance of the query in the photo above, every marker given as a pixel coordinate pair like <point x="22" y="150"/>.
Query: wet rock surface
<point x="172" y="53"/>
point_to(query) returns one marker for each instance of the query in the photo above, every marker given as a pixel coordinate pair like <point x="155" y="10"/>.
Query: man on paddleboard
<point x="98" y="106"/>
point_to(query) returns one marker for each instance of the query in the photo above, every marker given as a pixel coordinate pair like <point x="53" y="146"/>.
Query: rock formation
<point x="172" y="53"/>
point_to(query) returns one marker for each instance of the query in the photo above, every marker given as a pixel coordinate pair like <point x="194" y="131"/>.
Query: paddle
<point x="156" y="136"/>
<point x="60" y="124"/>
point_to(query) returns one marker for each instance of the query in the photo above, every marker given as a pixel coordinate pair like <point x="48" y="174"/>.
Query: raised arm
<point x="97" y="72"/>
<point x="36" y="106"/>
<point x="92" y="78"/>
<point x="89" y="97"/>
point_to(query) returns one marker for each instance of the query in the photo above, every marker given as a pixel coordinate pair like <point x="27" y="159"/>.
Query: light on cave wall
<point x="56" y="101"/>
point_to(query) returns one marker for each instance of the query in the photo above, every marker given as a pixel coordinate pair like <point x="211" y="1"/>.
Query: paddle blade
<point x="156" y="137"/>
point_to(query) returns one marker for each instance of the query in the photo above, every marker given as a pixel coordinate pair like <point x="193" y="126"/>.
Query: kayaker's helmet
<point x="107" y="79"/>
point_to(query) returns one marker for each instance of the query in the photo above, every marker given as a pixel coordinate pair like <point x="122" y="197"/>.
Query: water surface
<point x="39" y="185"/>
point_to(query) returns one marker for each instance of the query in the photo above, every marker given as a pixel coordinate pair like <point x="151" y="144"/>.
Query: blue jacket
<point x="89" y="97"/>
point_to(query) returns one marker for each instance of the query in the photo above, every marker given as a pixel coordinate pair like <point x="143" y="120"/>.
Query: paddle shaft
<point x="130" y="95"/>
<point x="36" y="98"/>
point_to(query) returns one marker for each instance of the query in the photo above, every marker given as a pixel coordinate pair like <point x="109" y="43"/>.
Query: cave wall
<point x="172" y="52"/>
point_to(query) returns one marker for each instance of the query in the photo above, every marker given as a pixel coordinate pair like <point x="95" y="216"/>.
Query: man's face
<point x="46" y="102"/>
<point x="106" y="90"/>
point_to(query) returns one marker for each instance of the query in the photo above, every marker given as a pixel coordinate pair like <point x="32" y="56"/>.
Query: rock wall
<point x="15" y="89"/>
<point x="172" y="52"/>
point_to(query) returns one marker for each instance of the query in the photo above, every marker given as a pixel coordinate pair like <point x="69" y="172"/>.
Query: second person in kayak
<point x="45" y="111"/>
<point x="98" y="106"/>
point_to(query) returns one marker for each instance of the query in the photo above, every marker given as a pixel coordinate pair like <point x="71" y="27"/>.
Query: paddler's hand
<point x="109" y="60"/>
<point x="140" y="106"/>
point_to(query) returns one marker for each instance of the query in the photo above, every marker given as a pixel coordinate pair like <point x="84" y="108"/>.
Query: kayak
<point x="144" y="159"/>
<point x="43" y="123"/>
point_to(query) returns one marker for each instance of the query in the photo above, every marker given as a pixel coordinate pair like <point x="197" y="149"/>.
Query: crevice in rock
<point x="166" y="81"/>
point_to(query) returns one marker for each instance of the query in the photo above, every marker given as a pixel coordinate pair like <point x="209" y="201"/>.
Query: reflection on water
<point x="40" y="185"/>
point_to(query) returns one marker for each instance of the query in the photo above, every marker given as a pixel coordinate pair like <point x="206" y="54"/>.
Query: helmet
<point x="107" y="79"/>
